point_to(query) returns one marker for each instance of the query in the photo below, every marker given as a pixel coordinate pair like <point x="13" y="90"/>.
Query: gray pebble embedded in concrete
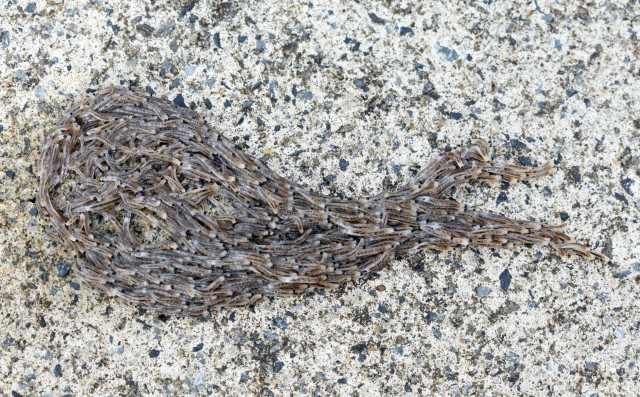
<point x="63" y="269"/>
<point x="505" y="280"/>
<point x="482" y="291"/>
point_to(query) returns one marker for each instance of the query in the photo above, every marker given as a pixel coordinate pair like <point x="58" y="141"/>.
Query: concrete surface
<point x="346" y="97"/>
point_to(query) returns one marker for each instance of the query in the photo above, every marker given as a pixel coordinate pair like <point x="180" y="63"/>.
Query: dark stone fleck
<point x="31" y="7"/>
<point x="280" y="322"/>
<point x="63" y="269"/>
<point x="42" y="322"/>
<point x="153" y="353"/>
<point x="74" y="285"/>
<point x="343" y="164"/>
<point x="342" y="381"/>
<point x="146" y="29"/>
<point x="620" y="197"/>
<point x="327" y="134"/>
<point x="208" y="103"/>
<point x="5" y="39"/>
<point x="448" y="53"/>
<point x="377" y="19"/>
<point x="227" y="103"/>
<point x="7" y="342"/>
<point x="345" y="128"/>
<point x="33" y="212"/>
<point x="526" y="161"/>
<point x="558" y="45"/>
<point x="455" y="115"/>
<point x="591" y="366"/>
<point x="297" y="153"/>
<point x="216" y="40"/>
<point x="15" y="394"/>
<point x="483" y="291"/>
<point x="623" y="273"/>
<point x="583" y="13"/>
<point x="277" y="367"/>
<point x="149" y="90"/>
<point x="184" y="10"/>
<point x="198" y="347"/>
<point x="431" y="317"/>
<point x="571" y="93"/>
<point x="179" y="101"/>
<point x="505" y="280"/>
<point x="422" y="71"/>
<point x="427" y="88"/>
<point x="405" y="30"/>
<point x="10" y="174"/>
<point x="437" y="333"/>
<point x="501" y="197"/>
<point x="626" y="185"/>
<point x="57" y="370"/>
<point x="518" y="144"/>
<point x="564" y="216"/>
<point x="305" y="95"/>
<point x="575" y="174"/>
<point x="242" y="39"/>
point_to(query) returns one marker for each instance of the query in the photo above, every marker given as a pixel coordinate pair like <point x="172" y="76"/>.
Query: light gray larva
<point x="161" y="210"/>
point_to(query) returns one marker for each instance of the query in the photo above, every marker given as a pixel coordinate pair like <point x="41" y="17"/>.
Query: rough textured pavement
<point x="348" y="98"/>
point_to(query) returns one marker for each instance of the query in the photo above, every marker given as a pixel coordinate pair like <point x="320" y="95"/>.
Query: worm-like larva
<point x="161" y="210"/>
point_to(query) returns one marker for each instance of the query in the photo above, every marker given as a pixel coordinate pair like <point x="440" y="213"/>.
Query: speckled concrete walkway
<point x="347" y="98"/>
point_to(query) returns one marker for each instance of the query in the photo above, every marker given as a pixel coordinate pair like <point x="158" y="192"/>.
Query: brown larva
<point x="161" y="210"/>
